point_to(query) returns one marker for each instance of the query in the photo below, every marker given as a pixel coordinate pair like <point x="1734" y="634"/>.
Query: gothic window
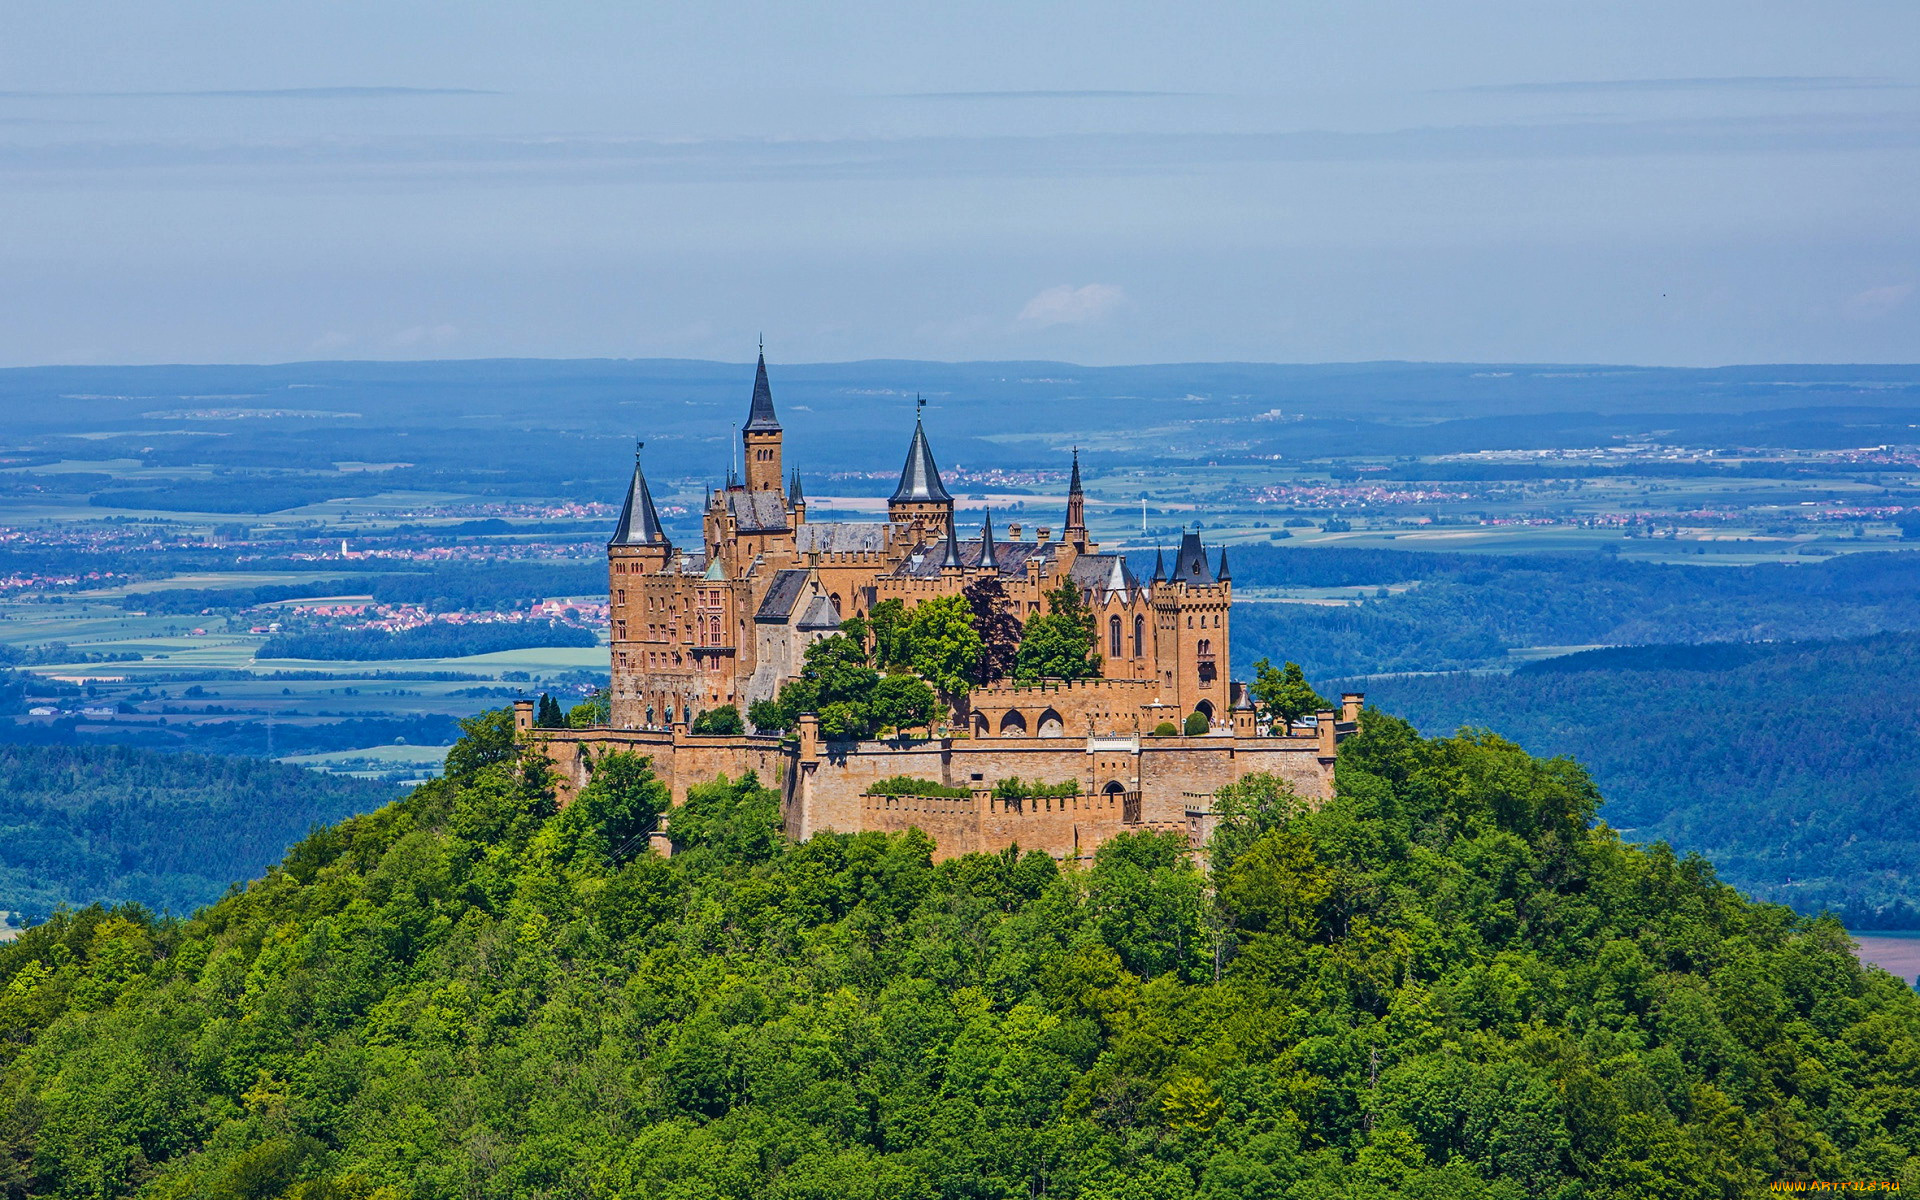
<point x="1113" y="637"/>
<point x="620" y="596"/>
<point x="620" y="630"/>
<point x="1139" y="636"/>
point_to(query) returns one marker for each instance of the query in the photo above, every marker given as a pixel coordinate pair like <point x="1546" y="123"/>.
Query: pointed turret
<point x="921" y="502"/>
<point x="952" y="561"/>
<point x="796" y="500"/>
<point x="760" y="418"/>
<point x="1076" y="530"/>
<point x="760" y="436"/>
<point x="1159" y="564"/>
<point x="920" y="478"/>
<point x="1190" y="561"/>
<point x="1221" y="574"/>
<point x="639" y="524"/>
<point x="989" y="561"/>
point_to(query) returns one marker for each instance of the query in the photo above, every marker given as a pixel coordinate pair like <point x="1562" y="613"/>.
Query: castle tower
<point x="989" y="558"/>
<point x="1191" y="608"/>
<point x="1075" y="534"/>
<point x="921" y="500"/>
<point x="637" y="553"/>
<point x="760" y="436"/>
<point x="796" y="502"/>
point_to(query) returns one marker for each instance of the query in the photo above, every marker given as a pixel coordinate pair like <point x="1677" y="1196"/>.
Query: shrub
<point x="1015" y="788"/>
<point x="1165" y="729"/>
<point x="906" y="785"/>
<point x="1197" y="724"/>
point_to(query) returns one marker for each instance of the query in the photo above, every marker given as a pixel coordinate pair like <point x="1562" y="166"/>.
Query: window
<point x="620" y="630"/>
<point x="1139" y="636"/>
<point x="1113" y="637"/>
<point x="620" y="596"/>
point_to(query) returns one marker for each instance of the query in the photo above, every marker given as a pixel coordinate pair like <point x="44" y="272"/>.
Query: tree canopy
<point x="1059" y="644"/>
<point x="1442" y="983"/>
<point x="1284" y="696"/>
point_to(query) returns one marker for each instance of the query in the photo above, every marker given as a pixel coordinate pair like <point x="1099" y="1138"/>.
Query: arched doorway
<point x="1013" y="725"/>
<point x="980" y="726"/>
<point x="1051" y="724"/>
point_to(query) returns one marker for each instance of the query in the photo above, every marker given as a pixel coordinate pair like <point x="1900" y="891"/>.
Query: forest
<point x="438" y="640"/>
<point x="1792" y="765"/>
<point x="80" y="824"/>
<point x="1446" y="982"/>
<point x="1469" y="611"/>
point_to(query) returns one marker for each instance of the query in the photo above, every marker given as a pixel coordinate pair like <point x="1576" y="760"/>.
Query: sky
<point x="1687" y="183"/>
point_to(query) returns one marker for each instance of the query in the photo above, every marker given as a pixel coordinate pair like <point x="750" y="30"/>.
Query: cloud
<point x="1760" y="83"/>
<point x="1069" y="305"/>
<point x="298" y="93"/>
<point x="1084" y="94"/>
<point x="1879" y="301"/>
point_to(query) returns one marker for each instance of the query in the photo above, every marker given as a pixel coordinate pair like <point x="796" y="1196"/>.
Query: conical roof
<point x="953" y="558"/>
<point x="1159" y="564"/>
<point x="1073" y="485"/>
<point x="989" y="561"/>
<point x="1222" y="575"/>
<point x="639" y="524"/>
<point x="760" y="418"/>
<point x="794" y="494"/>
<point x="1190" y="561"/>
<point x="920" y="479"/>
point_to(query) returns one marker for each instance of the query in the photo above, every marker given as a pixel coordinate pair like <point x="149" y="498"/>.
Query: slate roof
<point x="760" y="418"/>
<point x="1101" y="572"/>
<point x="1010" y="557"/>
<point x="782" y="594"/>
<point x="920" y="479"/>
<point x="1190" y="561"/>
<point x="639" y="524"/>
<point x="840" y="537"/>
<point x="821" y="614"/>
<point x="758" y="512"/>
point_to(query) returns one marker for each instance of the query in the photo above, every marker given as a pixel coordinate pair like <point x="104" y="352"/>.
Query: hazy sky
<point x="1683" y="182"/>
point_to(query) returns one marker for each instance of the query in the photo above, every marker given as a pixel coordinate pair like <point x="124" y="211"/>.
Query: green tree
<point x="946" y="649"/>
<point x="596" y="709"/>
<point x="901" y="702"/>
<point x="1060" y="643"/>
<point x="892" y="644"/>
<point x="485" y="740"/>
<point x="722" y="720"/>
<point x="1284" y="696"/>
<point x="1197" y="724"/>
<point x="548" y="715"/>
<point x="611" y="817"/>
<point x="769" y="716"/>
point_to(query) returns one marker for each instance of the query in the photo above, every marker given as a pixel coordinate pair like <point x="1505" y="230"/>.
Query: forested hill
<point x="1444" y="983"/>
<point x="169" y="831"/>
<point x="1792" y="765"/>
<point x="1468" y="611"/>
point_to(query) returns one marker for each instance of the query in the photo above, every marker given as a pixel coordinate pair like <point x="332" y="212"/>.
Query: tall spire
<point x="760" y="418"/>
<point x="639" y="524"/>
<point x="989" y="561"/>
<point x="794" y="494"/>
<point x="952" y="561"/>
<point x="1222" y="575"/>
<point x="1076" y="504"/>
<point x="1159" y="564"/>
<point x="920" y="479"/>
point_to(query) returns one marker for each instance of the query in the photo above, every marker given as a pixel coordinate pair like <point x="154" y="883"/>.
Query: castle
<point x="728" y="622"/>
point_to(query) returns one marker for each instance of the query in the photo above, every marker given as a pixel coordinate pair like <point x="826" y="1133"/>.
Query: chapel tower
<point x="760" y="436"/>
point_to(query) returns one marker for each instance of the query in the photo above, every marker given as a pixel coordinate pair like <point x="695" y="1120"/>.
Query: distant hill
<point x="80" y="824"/>
<point x="1794" y="766"/>
<point x="1470" y="610"/>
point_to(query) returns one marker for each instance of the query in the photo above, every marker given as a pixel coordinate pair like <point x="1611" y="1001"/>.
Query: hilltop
<point x="1445" y="982"/>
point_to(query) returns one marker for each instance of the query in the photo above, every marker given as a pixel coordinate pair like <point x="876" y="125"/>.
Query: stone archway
<point x="1051" y="725"/>
<point x="981" y="726"/>
<point x="1013" y="724"/>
